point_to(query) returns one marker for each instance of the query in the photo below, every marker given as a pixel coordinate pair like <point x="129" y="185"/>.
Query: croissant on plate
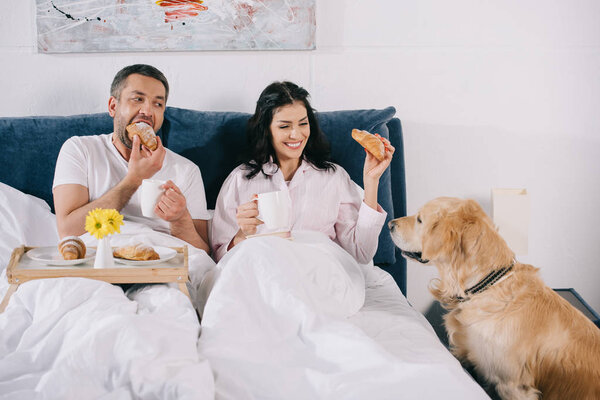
<point x="372" y="143"/>
<point x="71" y="248"/>
<point x="145" y="133"/>
<point x="137" y="252"/>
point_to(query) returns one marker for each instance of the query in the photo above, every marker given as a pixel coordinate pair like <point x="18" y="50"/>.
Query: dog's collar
<point x="492" y="278"/>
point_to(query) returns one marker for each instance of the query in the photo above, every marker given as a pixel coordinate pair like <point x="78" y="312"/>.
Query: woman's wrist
<point x="239" y="237"/>
<point x="371" y="187"/>
<point x="370" y="180"/>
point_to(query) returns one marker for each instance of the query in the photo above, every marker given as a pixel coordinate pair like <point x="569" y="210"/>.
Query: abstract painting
<point x="75" y="26"/>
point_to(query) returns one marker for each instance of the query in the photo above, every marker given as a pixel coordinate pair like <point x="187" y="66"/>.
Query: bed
<point x="79" y="338"/>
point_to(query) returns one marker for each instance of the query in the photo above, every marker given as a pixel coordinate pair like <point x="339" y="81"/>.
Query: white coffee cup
<point x="150" y="194"/>
<point x="274" y="209"/>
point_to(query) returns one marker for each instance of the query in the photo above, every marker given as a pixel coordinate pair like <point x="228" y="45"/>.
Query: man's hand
<point x="172" y="205"/>
<point x="144" y="163"/>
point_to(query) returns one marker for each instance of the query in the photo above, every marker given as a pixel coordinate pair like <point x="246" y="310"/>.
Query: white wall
<point x="490" y="94"/>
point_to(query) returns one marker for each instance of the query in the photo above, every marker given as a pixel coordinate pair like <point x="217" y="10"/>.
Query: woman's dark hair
<point x="258" y="132"/>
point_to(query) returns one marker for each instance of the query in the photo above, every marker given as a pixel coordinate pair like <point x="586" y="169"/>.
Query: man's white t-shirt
<point x="94" y="162"/>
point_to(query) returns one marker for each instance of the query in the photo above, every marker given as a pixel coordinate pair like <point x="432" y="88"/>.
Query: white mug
<point x="274" y="209"/>
<point x="150" y="194"/>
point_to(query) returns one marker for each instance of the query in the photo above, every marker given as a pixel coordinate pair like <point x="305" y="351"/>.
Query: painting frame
<point x="90" y="26"/>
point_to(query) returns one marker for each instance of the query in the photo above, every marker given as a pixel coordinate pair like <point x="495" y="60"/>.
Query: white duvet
<point x="73" y="338"/>
<point x="284" y="320"/>
<point x="276" y="326"/>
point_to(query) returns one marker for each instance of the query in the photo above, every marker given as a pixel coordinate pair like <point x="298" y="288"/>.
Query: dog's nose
<point x="391" y="225"/>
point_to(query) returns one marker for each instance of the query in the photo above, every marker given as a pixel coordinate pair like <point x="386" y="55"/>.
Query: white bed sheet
<point x="79" y="338"/>
<point x="394" y="324"/>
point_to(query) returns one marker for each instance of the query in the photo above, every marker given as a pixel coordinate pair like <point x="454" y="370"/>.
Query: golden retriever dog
<point x="502" y="319"/>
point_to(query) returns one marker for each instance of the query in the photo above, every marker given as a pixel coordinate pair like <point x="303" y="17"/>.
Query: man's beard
<point x="121" y="132"/>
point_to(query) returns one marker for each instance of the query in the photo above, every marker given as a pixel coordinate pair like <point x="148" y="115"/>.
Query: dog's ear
<point x="441" y="239"/>
<point x="472" y="227"/>
<point x="452" y="237"/>
<point x="479" y="240"/>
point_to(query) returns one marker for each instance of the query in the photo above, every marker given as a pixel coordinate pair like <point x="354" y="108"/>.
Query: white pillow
<point x="24" y="219"/>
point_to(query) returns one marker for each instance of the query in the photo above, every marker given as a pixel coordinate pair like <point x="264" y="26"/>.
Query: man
<point x="105" y="171"/>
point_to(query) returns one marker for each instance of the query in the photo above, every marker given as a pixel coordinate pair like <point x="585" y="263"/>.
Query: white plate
<point x="165" y="254"/>
<point x="51" y="256"/>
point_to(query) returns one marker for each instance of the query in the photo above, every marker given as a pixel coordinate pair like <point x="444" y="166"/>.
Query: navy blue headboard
<point x="214" y="141"/>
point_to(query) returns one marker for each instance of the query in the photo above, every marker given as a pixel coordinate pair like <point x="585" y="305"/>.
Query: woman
<point x="280" y="306"/>
<point x="288" y="151"/>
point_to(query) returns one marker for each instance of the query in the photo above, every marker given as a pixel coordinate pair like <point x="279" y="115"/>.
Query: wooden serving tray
<point x="22" y="269"/>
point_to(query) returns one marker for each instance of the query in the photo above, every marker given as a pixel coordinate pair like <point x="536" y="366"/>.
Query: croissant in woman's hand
<point x="372" y="143"/>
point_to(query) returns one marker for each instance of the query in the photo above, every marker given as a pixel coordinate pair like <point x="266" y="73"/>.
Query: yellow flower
<point x="101" y="222"/>
<point x="114" y="220"/>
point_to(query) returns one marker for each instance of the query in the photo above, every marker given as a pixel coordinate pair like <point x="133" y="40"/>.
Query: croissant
<point x="145" y="133"/>
<point x="370" y="142"/>
<point x="71" y="248"/>
<point x="138" y="252"/>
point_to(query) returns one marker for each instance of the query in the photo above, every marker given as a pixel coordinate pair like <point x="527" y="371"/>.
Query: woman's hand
<point x="246" y="216"/>
<point x="374" y="168"/>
